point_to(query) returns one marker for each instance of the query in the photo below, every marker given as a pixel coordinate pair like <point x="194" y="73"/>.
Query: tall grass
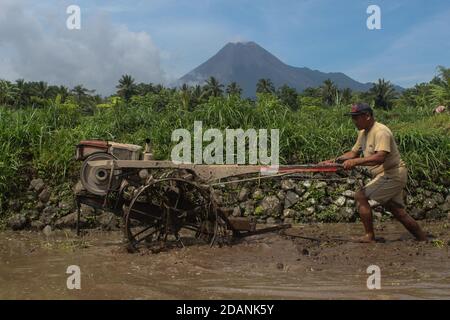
<point x="42" y="141"/>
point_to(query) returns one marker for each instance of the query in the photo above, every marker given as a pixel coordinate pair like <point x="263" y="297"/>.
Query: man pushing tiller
<point x="389" y="173"/>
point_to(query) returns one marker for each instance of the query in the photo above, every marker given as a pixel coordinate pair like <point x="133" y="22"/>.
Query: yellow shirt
<point x="379" y="138"/>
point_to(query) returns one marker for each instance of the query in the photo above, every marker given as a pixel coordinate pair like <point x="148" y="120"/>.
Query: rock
<point x="349" y="194"/>
<point x="236" y="212"/>
<point x="427" y="193"/>
<point x="312" y="201"/>
<point x="287" y="184"/>
<point x="351" y="181"/>
<point x="69" y="221"/>
<point x="87" y="210"/>
<point x="429" y="204"/>
<point x="14" y="205"/>
<point x="373" y="203"/>
<point x="310" y="211"/>
<point x="78" y="188"/>
<point x="108" y="221"/>
<point x="417" y="214"/>
<point x="40" y="206"/>
<point x="340" y="201"/>
<point x="271" y="220"/>
<point x="243" y="194"/>
<point x="291" y="199"/>
<point x="48" y="215"/>
<point x="307" y="184"/>
<point x="350" y="203"/>
<point x="299" y="190"/>
<point x="271" y="206"/>
<point x="44" y="196"/>
<point x="65" y="207"/>
<point x="249" y="207"/>
<point x="281" y="195"/>
<point x="289" y="213"/>
<point x="346" y="214"/>
<point x="17" y="222"/>
<point x="445" y="207"/>
<point x="306" y="195"/>
<point x="435" y="214"/>
<point x="447" y="199"/>
<point x="37" y="184"/>
<point x="37" y="225"/>
<point x="258" y="194"/>
<point x="288" y="220"/>
<point x="377" y="215"/>
<point x="321" y="185"/>
<point x="438" y="198"/>
<point x="47" y="231"/>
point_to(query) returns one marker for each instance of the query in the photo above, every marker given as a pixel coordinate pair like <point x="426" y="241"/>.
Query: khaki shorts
<point x="388" y="187"/>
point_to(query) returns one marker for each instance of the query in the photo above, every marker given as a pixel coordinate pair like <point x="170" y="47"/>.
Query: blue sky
<point x="179" y="35"/>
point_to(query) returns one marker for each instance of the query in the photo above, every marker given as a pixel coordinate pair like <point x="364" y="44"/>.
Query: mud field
<point x="269" y="266"/>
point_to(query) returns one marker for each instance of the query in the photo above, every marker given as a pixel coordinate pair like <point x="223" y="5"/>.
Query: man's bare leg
<point x="408" y="222"/>
<point x="365" y="212"/>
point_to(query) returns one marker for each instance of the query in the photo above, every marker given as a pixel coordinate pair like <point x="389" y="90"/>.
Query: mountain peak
<point x="245" y="62"/>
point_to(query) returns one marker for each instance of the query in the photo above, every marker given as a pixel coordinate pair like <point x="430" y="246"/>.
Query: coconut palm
<point x="265" y="86"/>
<point x="7" y="92"/>
<point x="288" y="96"/>
<point x="185" y="95"/>
<point x="440" y="87"/>
<point x="346" y="96"/>
<point x="127" y="87"/>
<point x="383" y="94"/>
<point x="328" y="90"/>
<point x="234" y="89"/>
<point x="213" y="88"/>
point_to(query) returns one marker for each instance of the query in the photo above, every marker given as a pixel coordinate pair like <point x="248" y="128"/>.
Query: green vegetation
<point x="40" y="124"/>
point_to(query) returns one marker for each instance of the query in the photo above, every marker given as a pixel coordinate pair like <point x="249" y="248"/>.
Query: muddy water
<point x="271" y="266"/>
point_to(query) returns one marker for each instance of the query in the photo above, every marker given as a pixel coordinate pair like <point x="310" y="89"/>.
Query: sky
<point x="161" y="40"/>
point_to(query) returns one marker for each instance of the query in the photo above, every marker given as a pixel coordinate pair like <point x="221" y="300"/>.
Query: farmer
<point x="388" y="171"/>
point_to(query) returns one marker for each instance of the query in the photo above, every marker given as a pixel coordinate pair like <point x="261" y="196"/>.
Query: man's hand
<point x="350" y="164"/>
<point x="327" y="161"/>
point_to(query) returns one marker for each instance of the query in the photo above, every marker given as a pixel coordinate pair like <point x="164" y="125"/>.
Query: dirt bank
<point x="33" y="266"/>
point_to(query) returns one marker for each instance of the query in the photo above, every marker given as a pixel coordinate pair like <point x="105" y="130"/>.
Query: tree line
<point x="382" y="94"/>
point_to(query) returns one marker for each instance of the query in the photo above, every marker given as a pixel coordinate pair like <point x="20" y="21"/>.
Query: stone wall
<point x="275" y="200"/>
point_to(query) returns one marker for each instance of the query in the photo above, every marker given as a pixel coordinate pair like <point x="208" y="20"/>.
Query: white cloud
<point x="36" y="45"/>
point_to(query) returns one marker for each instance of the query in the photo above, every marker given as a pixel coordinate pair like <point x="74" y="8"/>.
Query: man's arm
<point x="342" y="158"/>
<point x="376" y="159"/>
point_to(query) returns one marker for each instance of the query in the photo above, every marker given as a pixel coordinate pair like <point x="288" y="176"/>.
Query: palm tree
<point x="440" y="88"/>
<point x="288" y="96"/>
<point x="144" y="88"/>
<point x="383" y="94"/>
<point x="185" y="94"/>
<point x="213" y="88"/>
<point x="329" y="92"/>
<point x="81" y="93"/>
<point x="234" y="89"/>
<point x="41" y="90"/>
<point x="265" y="86"/>
<point x="63" y="92"/>
<point x="23" y="93"/>
<point x="346" y="96"/>
<point x="127" y="87"/>
<point x="7" y="92"/>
